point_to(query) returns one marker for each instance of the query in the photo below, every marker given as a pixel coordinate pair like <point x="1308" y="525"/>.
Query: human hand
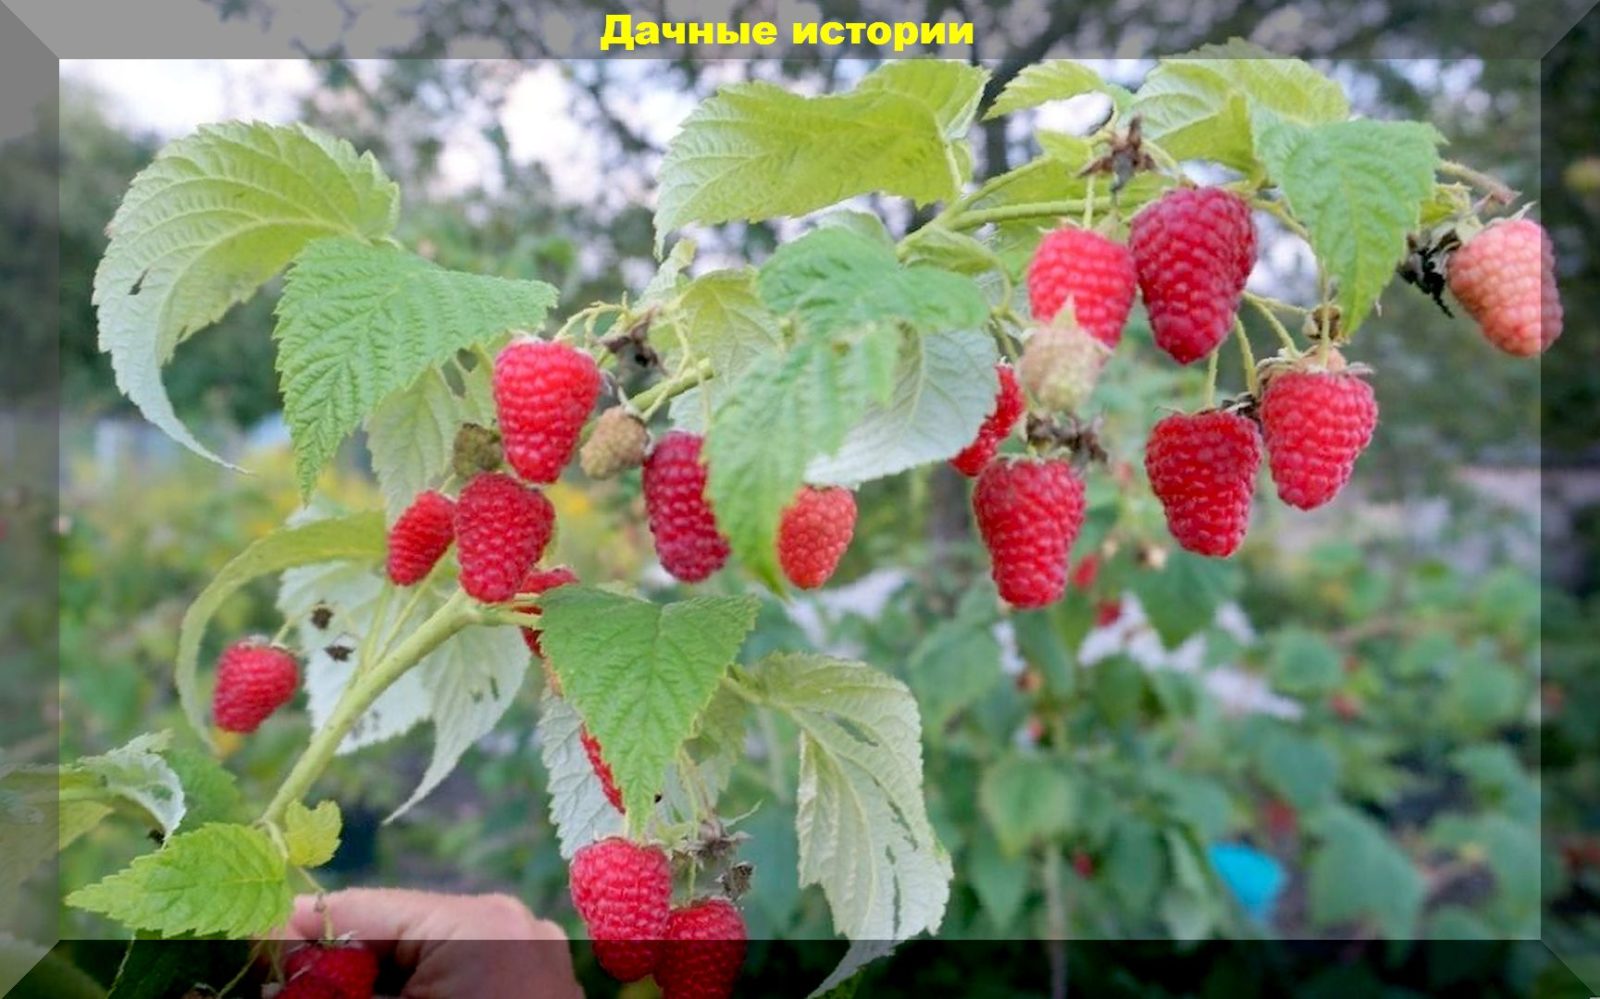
<point x="447" y="946"/>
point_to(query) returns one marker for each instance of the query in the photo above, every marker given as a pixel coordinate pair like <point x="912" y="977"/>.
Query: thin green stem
<point x="1088" y="202"/>
<point x="1247" y="356"/>
<point x="455" y="614"/>
<point x="1493" y="186"/>
<point x="1272" y="320"/>
<point x="283" y="629"/>
<point x="511" y="618"/>
<point x="1277" y="211"/>
<point x="379" y="613"/>
<point x="1211" y="379"/>
<point x="989" y="187"/>
<point x="652" y="398"/>
<point x="1014" y="213"/>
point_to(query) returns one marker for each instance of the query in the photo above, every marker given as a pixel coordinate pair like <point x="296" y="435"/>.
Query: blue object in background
<point x="1255" y="878"/>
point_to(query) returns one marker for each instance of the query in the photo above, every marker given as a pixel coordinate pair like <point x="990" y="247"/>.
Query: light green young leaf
<point x="1194" y="112"/>
<point x="950" y="89"/>
<point x="862" y="824"/>
<point x="357" y="322"/>
<point x="948" y="250"/>
<point x="755" y="150"/>
<point x="356" y="537"/>
<point x="217" y="214"/>
<point x="722" y="319"/>
<point x="784" y="410"/>
<point x="1028" y="800"/>
<point x="640" y="674"/>
<point x="1290" y="88"/>
<point x="224" y="880"/>
<point x="412" y="431"/>
<point x="833" y="278"/>
<point x="671" y="276"/>
<point x="138" y="772"/>
<point x="1042" y="82"/>
<point x="1358" y="186"/>
<point x="312" y="834"/>
<point x="578" y="804"/>
<point x="471" y="680"/>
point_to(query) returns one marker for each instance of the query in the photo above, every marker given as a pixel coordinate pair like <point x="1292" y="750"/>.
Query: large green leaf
<point x="1358" y="186"/>
<point x="219" y="879"/>
<point x="217" y="214"/>
<point x="412" y="431"/>
<point x="1027" y="800"/>
<point x="755" y="150"/>
<point x="862" y="824"/>
<point x="784" y="410"/>
<point x="1051" y="80"/>
<point x="639" y="674"/>
<point x="1183" y="596"/>
<point x="720" y="318"/>
<point x="357" y="322"/>
<point x="138" y="773"/>
<point x="356" y="537"/>
<point x="1359" y="873"/>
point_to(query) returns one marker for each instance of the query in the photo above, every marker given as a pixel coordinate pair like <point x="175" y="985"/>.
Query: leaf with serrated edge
<point x="350" y="590"/>
<point x="471" y="680"/>
<point x="210" y="791"/>
<point x="857" y="956"/>
<point x="862" y="824"/>
<point x="578" y="804"/>
<point x="639" y="674"/>
<point x="722" y="319"/>
<point x="358" y="536"/>
<point x="217" y="214"/>
<point x="357" y="322"/>
<point x="1359" y="187"/>
<point x="138" y="773"/>
<point x="755" y="150"/>
<point x="219" y="879"/>
<point x="312" y="834"/>
<point x="412" y="432"/>
<point x="1196" y="113"/>
<point x="1040" y="83"/>
<point x="943" y="389"/>
<point x="951" y="90"/>
<point x="1288" y="87"/>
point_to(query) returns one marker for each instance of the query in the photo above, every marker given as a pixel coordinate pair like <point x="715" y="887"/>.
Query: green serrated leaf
<point x="1359" y="187"/>
<point x="1042" y="82"/>
<point x="357" y="322"/>
<point x="136" y="772"/>
<point x="1304" y="664"/>
<point x="948" y="250"/>
<point x="639" y="674"/>
<point x="1290" y="88"/>
<point x="1359" y="873"/>
<point x="219" y="879"/>
<point x="217" y="214"/>
<point x="1194" y="112"/>
<point x="210" y="792"/>
<point x="861" y="820"/>
<point x="1027" y="799"/>
<point x="755" y="150"/>
<point x="784" y="410"/>
<point x="1183" y="596"/>
<point x="356" y="537"/>
<point x="412" y="432"/>
<point x="720" y="317"/>
<point x="312" y="834"/>
<point x="161" y="969"/>
<point x="1299" y="769"/>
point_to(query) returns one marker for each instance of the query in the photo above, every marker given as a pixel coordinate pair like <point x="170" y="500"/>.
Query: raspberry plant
<point x="845" y="357"/>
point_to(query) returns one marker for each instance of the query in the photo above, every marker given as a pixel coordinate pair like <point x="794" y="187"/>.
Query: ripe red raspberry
<point x="616" y="444"/>
<point x="1505" y="277"/>
<point x="1083" y="863"/>
<point x="608" y="783"/>
<point x="1202" y="467"/>
<point x="543" y="392"/>
<point x="420" y="538"/>
<point x="254" y="679"/>
<point x="1091" y="272"/>
<point x="1316" y="424"/>
<point x="685" y="530"/>
<point x="502" y="527"/>
<point x="623" y="891"/>
<point x="350" y="969"/>
<point x="1060" y="366"/>
<point x="813" y="534"/>
<point x="539" y="581"/>
<point x="310" y="987"/>
<point x="1107" y="613"/>
<point x="1085" y="572"/>
<point x="705" y="944"/>
<point x="1029" y="513"/>
<point x="1008" y="407"/>
<point x="1194" y="249"/>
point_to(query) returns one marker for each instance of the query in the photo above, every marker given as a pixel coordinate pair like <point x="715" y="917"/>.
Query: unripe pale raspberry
<point x="351" y="969"/>
<point x="1202" y="468"/>
<point x="602" y="770"/>
<point x="704" y="947"/>
<point x="1029" y="513"/>
<point x="540" y="581"/>
<point x="1060" y="366"/>
<point x="1316" y="425"/>
<point x="543" y="393"/>
<point x="420" y="537"/>
<point x="616" y="444"/>
<point x="1091" y="272"/>
<point x="1505" y="277"/>
<point x="502" y="527"/>
<point x="1008" y="408"/>
<point x="1193" y="250"/>
<point x="813" y="534"/>
<point x="254" y="679"/>
<point x="681" y="521"/>
<point x="623" y="891"/>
